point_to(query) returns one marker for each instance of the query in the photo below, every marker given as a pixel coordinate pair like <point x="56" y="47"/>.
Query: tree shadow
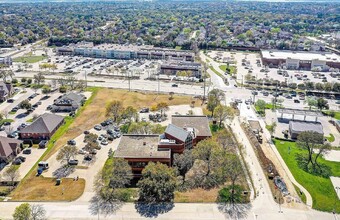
<point x="152" y="210"/>
<point x="100" y="206"/>
<point x="234" y="211"/>
<point x="63" y="171"/>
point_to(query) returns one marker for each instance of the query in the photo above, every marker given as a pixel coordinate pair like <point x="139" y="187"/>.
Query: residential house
<point x="9" y="148"/>
<point x="42" y="128"/>
<point x="68" y="102"/>
<point x="6" y="91"/>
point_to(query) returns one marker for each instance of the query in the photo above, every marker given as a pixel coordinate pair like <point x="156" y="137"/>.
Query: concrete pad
<point x="336" y="184"/>
<point x="332" y="155"/>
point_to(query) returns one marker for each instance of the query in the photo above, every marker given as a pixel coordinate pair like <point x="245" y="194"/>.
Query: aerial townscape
<point x="172" y="110"/>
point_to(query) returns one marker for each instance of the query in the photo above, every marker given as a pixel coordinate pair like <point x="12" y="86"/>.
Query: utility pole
<point x="275" y="98"/>
<point x="85" y="80"/>
<point x="158" y="84"/>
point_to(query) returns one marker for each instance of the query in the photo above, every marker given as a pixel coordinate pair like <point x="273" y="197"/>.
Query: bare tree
<point x="38" y="212"/>
<point x="11" y="174"/>
<point x="66" y="153"/>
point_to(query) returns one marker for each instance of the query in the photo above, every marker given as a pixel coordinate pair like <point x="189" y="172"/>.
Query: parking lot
<point x="31" y="159"/>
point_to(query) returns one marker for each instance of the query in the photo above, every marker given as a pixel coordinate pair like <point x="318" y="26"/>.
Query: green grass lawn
<point x="321" y="189"/>
<point x="217" y="73"/>
<point x="29" y="59"/>
<point x="5" y="120"/>
<point x="336" y="116"/>
<point x="331" y="138"/>
<point x="232" y="69"/>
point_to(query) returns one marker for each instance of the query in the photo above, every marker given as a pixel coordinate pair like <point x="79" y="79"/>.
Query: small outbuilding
<point x="296" y="127"/>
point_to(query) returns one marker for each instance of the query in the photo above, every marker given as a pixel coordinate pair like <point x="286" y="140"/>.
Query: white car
<point x="81" y="151"/>
<point x="104" y="142"/>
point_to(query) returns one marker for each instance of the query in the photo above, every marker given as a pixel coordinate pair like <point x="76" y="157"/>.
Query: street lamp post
<point x="336" y="189"/>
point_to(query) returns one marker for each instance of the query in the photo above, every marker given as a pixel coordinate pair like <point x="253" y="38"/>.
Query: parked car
<point x="86" y="132"/>
<point x="27" y="151"/>
<point x="93" y="152"/>
<point x="104" y="142"/>
<point x="88" y="157"/>
<point x="23" y="159"/>
<point x="98" y="127"/>
<point x="296" y="101"/>
<point x="17" y="161"/>
<point x="73" y="162"/>
<point x="81" y="151"/>
<point x="10" y="100"/>
<point x="43" y="143"/>
<point x="71" y="142"/>
<point x="6" y="123"/>
<point x="174" y="85"/>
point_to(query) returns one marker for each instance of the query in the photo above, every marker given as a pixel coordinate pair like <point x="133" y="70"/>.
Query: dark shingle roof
<point x="177" y="132"/>
<point x="199" y="122"/>
<point x="46" y="123"/>
<point x="141" y="146"/>
<point x="5" y="145"/>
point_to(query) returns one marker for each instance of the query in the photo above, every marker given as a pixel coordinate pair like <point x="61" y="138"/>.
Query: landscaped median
<point x="320" y="188"/>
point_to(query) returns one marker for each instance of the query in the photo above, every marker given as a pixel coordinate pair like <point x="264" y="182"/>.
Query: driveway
<point x="85" y="170"/>
<point x="31" y="159"/>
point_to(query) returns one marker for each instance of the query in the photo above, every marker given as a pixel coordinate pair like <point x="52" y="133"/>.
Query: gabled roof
<point x="199" y="122"/>
<point x="46" y="123"/>
<point x="177" y="132"/>
<point x="73" y="96"/>
<point x="7" y="146"/>
<point x="4" y="88"/>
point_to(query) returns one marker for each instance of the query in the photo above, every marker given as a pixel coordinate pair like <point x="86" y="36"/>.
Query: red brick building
<point x="184" y="133"/>
<point x="42" y="128"/>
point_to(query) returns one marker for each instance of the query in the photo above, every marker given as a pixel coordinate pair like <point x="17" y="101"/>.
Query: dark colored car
<point x="73" y="162"/>
<point x="27" y="151"/>
<point x="43" y="144"/>
<point x="174" y="85"/>
<point x="71" y="142"/>
<point x="296" y="101"/>
<point x="86" y="132"/>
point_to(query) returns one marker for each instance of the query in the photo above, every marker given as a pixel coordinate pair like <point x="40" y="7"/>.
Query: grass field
<point x="197" y="195"/>
<point x="331" y="138"/>
<point x="321" y="189"/>
<point x="232" y="69"/>
<point x="336" y="116"/>
<point x="217" y="73"/>
<point x="29" y="59"/>
<point x="45" y="189"/>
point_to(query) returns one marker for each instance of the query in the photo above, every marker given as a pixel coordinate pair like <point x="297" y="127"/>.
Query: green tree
<point x="129" y="113"/>
<point x="25" y="104"/>
<point x="46" y="90"/>
<point x="214" y="98"/>
<point x="271" y="128"/>
<point x="261" y="105"/>
<point x="183" y="162"/>
<point x="311" y="102"/>
<point x="162" y="106"/>
<point x="322" y="103"/>
<point x="158" y="183"/>
<point x="223" y="112"/>
<point x="114" y="109"/>
<point x="309" y="141"/>
<point x="22" y="212"/>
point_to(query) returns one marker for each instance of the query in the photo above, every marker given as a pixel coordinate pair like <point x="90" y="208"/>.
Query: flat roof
<point x="300" y="55"/>
<point x="300" y="112"/>
<point x="199" y="122"/>
<point x="141" y="146"/>
<point x="301" y="126"/>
